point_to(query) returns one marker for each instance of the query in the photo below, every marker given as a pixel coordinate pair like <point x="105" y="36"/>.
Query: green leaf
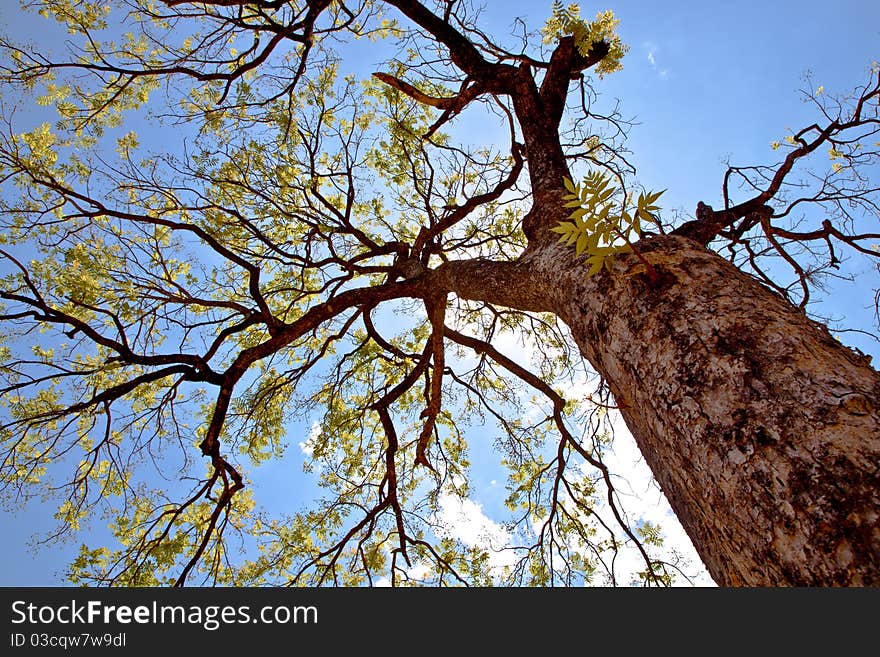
<point x="652" y="198"/>
<point x="595" y="263"/>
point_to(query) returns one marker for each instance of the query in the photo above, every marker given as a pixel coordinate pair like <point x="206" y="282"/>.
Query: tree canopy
<point x="291" y="245"/>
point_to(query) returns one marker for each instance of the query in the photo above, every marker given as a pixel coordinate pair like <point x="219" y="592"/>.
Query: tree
<point x="189" y="303"/>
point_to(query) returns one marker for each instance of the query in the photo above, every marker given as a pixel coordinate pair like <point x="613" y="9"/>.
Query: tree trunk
<point x="762" y="430"/>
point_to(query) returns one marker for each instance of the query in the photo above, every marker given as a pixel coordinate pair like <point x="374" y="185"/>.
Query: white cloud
<point x="643" y="500"/>
<point x="417" y="572"/>
<point x="307" y="446"/>
<point x="639" y="496"/>
<point x="651" y="58"/>
<point x="464" y="520"/>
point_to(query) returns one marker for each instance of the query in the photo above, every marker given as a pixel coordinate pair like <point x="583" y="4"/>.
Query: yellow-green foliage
<point x="600" y="226"/>
<point x="566" y="21"/>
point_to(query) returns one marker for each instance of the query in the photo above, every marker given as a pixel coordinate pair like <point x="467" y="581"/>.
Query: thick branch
<point x="461" y="50"/>
<point x="710" y="222"/>
<point x="565" y="64"/>
<point x="436" y="307"/>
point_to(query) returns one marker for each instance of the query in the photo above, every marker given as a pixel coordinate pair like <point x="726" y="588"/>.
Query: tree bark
<point x="762" y="430"/>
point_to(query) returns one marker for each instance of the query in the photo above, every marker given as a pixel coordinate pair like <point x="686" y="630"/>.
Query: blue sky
<point x="704" y="81"/>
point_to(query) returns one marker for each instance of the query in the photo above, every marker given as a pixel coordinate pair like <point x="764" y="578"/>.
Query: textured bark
<point x="762" y="430"/>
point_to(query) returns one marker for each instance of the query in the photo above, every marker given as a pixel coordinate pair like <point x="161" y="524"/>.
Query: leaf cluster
<point x="567" y="21"/>
<point x="601" y="226"/>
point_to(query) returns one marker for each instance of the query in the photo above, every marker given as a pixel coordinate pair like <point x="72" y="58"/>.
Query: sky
<point x="704" y="82"/>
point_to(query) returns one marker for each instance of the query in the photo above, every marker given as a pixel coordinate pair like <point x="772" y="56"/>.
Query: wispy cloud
<point x="651" y="50"/>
